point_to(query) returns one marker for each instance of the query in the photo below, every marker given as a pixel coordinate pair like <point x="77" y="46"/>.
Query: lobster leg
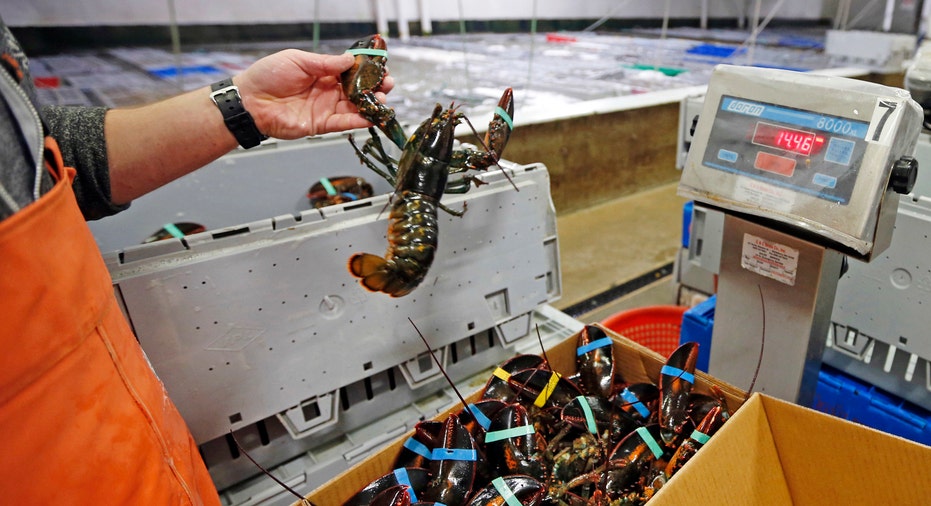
<point x="365" y="160"/>
<point x="374" y="148"/>
<point x="382" y="116"/>
<point x="453" y="211"/>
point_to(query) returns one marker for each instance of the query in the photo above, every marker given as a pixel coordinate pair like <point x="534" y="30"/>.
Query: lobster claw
<point x="364" y="78"/>
<point x="675" y="384"/>
<point x="513" y="444"/>
<point x="416" y="451"/>
<point x="498" y="387"/>
<point x="453" y="465"/>
<point x="595" y="362"/>
<point x="638" y="401"/>
<point x="413" y="478"/>
<point x="501" y="124"/>
<point x="392" y="496"/>
<point x="710" y="424"/>
<point x="525" y="489"/>
<point x="632" y="458"/>
<point x="544" y="388"/>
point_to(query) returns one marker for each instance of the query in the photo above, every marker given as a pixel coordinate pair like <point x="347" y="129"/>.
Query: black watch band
<point x="237" y="118"/>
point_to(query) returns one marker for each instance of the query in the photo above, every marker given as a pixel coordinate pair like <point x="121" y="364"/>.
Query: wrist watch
<point x="236" y="117"/>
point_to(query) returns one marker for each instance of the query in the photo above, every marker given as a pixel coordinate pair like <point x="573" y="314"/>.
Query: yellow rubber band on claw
<point x="368" y="52"/>
<point x="547" y="391"/>
<point x="501" y="374"/>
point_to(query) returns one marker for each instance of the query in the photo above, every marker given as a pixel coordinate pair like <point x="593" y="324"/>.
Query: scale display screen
<point x="804" y="151"/>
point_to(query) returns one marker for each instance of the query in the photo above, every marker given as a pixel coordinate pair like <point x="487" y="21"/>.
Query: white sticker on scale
<point x="770" y="259"/>
<point x="763" y="195"/>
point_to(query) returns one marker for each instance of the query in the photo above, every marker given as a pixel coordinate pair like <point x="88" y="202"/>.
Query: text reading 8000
<point x="835" y="125"/>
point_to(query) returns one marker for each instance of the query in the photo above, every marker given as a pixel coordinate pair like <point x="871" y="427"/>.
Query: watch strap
<point x="237" y="118"/>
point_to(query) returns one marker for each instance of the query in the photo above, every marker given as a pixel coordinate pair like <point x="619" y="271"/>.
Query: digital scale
<point x="790" y="172"/>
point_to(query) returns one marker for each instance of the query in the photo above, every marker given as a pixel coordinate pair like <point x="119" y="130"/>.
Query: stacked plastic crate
<point x="259" y="331"/>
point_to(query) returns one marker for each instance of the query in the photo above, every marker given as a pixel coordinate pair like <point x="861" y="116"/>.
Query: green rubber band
<point x="328" y="186"/>
<point x="498" y="435"/>
<point x="368" y="52"/>
<point x="505" y="116"/>
<point x="173" y="230"/>
<point x="505" y="492"/>
<point x="699" y="436"/>
<point x="589" y="416"/>
<point x="647" y="438"/>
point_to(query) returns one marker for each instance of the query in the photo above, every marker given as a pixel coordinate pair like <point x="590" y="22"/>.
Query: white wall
<point x="154" y="12"/>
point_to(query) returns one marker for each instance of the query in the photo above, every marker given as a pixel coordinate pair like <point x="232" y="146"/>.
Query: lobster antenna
<point x="304" y="500"/>
<point x="542" y="348"/>
<point x="762" y="342"/>
<point x="449" y="380"/>
<point x="488" y="150"/>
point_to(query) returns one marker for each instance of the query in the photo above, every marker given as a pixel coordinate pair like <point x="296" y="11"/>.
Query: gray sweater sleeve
<point x="80" y="136"/>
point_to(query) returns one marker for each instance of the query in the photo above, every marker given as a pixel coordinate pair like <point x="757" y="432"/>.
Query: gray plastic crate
<point x="256" y="325"/>
<point x="261" y="317"/>
<point x="880" y="330"/>
<point x="241" y="187"/>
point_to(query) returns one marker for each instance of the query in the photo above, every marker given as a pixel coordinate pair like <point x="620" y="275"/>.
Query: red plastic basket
<point x="656" y="327"/>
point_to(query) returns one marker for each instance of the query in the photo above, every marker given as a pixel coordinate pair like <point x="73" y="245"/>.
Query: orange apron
<point x="83" y="418"/>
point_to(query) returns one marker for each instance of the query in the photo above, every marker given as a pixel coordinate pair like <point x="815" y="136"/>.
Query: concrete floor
<point x="612" y="243"/>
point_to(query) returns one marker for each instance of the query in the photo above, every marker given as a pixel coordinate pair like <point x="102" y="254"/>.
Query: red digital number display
<point x="788" y="139"/>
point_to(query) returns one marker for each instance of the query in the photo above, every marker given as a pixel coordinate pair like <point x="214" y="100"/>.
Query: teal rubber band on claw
<point x="699" y="436"/>
<point x="505" y="492"/>
<point x="589" y="416"/>
<point x="173" y="230"/>
<point x="368" y="52"/>
<point x="498" y="435"/>
<point x="328" y="186"/>
<point x="647" y="438"/>
<point x="505" y="116"/>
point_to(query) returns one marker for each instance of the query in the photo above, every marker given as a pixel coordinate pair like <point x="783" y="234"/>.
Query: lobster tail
<point x="372" y="270"/>
<point x="380" y="275"/>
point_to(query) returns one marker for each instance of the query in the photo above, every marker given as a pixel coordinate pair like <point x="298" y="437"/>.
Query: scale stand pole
<point x="790" y="280"/>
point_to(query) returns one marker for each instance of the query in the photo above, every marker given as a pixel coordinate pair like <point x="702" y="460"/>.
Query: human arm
<point x="79" y="134"/>
<point x="289" y="94"/>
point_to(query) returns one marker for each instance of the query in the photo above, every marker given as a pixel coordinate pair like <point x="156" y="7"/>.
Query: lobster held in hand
<point x="413" y="230"/>
<point x="420" y="179"/>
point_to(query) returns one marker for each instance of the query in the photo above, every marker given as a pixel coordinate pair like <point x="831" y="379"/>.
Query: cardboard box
<point x="773" y="452"/>
<point x="637" y="363"/>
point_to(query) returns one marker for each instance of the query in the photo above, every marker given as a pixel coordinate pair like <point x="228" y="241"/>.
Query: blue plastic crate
<point x="715" y="51"/>
<point x="697" y="324"/>
<point x="846" y="397"/>
<point x="687" y="222"/>
<point x="837" y="393"/>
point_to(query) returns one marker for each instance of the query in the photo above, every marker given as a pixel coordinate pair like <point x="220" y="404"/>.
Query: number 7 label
<point x="885" y="113"/>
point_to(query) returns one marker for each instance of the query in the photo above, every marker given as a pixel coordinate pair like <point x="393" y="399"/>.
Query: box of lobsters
<point x="596" y="419"/>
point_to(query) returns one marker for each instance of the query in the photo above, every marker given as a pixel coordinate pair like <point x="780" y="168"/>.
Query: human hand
<point x="294" y="93"/>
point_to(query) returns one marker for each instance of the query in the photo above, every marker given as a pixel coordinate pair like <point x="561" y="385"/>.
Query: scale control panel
<point x="824" y="154"/>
